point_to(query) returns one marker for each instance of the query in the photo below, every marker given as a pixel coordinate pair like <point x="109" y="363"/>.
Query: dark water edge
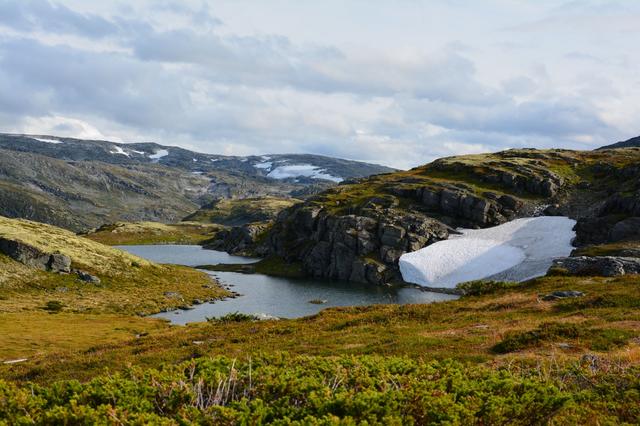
<point x="273" y="296"/>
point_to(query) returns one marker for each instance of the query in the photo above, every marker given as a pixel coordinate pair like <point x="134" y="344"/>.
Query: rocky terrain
<point x="82" y="184"/>
<point x="358" y="230"/>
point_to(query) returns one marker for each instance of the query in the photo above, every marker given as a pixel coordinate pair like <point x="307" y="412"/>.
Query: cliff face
<point x="358" y="230"/>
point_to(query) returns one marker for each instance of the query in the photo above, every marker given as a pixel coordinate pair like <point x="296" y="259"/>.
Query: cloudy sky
<point x="394" y="82"/>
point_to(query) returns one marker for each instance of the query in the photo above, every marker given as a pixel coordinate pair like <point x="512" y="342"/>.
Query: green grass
<point x="611" y="249"/>
<point x="235" y="212"/>
<point x="273" y="266"/>
<point x="140" y="233"/>
<point x="594" y="338"/>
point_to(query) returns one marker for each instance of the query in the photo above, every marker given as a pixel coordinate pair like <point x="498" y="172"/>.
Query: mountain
<point x="358" y="231"/>
<point x="630" y="143"/>
<point x="80" y="184"/>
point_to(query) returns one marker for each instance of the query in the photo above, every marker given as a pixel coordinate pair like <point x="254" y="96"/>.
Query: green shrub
<point x="371" y="390"/>
<point x="480" y="287"/>
<point x="234" y="317"/>
<point x="595" y="338"/>
<point x="53" y="306"/>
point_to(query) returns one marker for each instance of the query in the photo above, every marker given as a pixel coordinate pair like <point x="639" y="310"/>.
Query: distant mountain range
<point x="79" y="184"/>
<point x="633" y="142"/>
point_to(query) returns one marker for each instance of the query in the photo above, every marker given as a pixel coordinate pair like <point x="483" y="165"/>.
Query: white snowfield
<point x="159" y="154"/>
<point x="298" y="170"/>
<point x="515" y="251"/>
<point x="266" y="165"/>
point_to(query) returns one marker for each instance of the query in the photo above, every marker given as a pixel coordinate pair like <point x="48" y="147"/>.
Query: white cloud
<point x="204" y="76"/>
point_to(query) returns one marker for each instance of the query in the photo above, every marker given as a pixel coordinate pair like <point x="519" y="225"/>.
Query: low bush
<point x="595" y="338"/>
<point x="316" y="390"/>
<point x="480" y="287"/>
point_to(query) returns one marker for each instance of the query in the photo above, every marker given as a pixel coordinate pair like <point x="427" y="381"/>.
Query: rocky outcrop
<point x="351" y="247"/>
<point x="31" y="256"/>
<point x="240" y="240"/>
<point x="561" y="294"/>
<point x="606" y="266"/>
<point x="535" y="178"/>
<point x="364" y="246"/>
<point x="460" y="202"/>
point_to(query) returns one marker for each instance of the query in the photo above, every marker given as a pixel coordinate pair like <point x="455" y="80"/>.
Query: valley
<point x="80" y="333"/>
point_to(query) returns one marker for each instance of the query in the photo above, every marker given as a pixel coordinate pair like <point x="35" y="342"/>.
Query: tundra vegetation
<point x="504" y="353"/>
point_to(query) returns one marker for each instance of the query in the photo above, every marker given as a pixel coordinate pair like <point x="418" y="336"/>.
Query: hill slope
<point x="127" y="284"/>
<point x="81" y="184"/>
<point x="630" y="143"/>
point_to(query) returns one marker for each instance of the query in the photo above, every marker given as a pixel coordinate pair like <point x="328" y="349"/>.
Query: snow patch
<point x="297" y="170"/>
<point x="159" y="154"/>
<point x="264" y="166"/>
<point x="120" y="151"/>
<point x="515" y="251"/>
<point x="138" y="152"/>
<point x="54" y="141"/>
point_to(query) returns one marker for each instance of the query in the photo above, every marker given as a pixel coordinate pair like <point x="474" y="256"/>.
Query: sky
<point x="398" y="83"/>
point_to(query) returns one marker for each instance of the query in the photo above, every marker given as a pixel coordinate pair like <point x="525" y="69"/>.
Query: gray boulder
<point x="87" y="277"/>
<point x="59" y="262"/>
<point x="31" y="256"/>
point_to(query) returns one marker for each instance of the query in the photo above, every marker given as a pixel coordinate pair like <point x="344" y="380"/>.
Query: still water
<point x="272" y="296"/>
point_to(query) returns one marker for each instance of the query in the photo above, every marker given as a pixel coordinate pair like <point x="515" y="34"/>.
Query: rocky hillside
<point x="357" y="231"/>
<point x="80" y="184"/>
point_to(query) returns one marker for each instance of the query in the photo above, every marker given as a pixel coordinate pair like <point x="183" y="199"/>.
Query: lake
<point x="273" y="296"/>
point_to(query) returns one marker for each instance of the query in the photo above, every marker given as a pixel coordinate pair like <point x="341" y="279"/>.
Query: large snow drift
<point x="514" y="251"/>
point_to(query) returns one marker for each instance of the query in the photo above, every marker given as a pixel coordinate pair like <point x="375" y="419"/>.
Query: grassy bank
<point x="139" y="233"/>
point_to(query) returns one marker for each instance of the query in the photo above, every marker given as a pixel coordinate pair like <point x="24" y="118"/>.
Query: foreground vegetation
<point x="499" y="355"/>
<point x="337" y="390"/>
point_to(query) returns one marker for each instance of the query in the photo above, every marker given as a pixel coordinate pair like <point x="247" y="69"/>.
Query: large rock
<point x="31" y="256"/>
<point x="241" y="240"/>
<point x="606" y="266"/>
<point x="352" y="247"/>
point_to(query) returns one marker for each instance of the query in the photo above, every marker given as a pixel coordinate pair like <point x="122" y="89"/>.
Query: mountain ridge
<point x="82" y="184"/>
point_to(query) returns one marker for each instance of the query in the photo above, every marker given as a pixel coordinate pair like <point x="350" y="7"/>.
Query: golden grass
<point x="129" y="284"/>
<point x="127" y="233"/>
<point x="51" y="333"/>
<point x="82" y="251"/>
<point x="240" y="211"/>
<point x="465" y="329"/>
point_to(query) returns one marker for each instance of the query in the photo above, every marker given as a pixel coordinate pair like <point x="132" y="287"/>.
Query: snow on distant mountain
<point x="119" y="150"/>
<point x="515" y="251"/>
<point x="302" y="170"/>
<point x="159" y="154"/>
<point x="53" y="141"/>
